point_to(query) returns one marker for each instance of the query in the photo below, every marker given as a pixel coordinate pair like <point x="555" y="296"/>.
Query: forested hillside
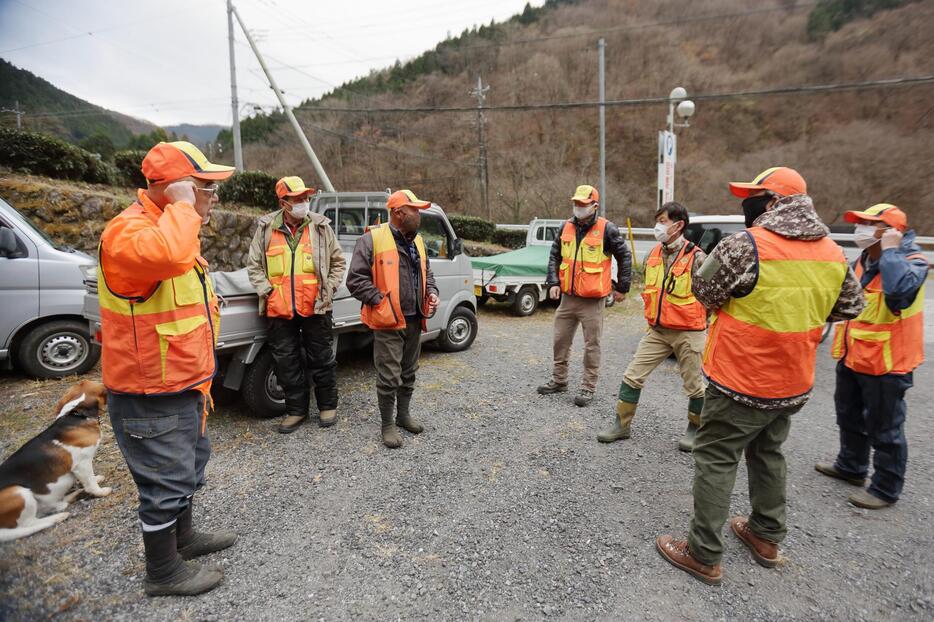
<point x="854" y="147"/>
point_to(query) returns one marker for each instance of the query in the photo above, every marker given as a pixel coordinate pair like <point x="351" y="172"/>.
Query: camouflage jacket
<point x="732" y="269"/>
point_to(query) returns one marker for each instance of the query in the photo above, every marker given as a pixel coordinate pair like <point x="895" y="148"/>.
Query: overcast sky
<point x="166" y="61"/>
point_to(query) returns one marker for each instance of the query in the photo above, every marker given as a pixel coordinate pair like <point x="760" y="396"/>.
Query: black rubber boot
<point x="167" y="574"/>
<point x="391" y="437"/>
<point x="403" y="416"/>
<point x="192" y="543"/>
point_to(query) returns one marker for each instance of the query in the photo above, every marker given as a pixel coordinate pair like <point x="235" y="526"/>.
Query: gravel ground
<point x="505" y="508"/>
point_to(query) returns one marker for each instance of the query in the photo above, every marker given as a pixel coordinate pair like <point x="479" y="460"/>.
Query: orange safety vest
<point x="292" y="276"/>
<point x="678" y="308"/>
<point x="764" y="345"/>
<point x="585" y="268"/>
<point x="880" y="341"/>
<point x="161" y="343"/>
<point x="387" y="315"/>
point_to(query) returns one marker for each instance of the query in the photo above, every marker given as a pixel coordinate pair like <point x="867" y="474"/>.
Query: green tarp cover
<point x="528" y="261"/>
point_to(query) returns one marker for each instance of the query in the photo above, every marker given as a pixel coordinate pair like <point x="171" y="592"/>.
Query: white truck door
<point x="19" y="283"/>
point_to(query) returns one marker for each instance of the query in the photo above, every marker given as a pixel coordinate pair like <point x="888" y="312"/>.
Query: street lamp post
<point x="680" y="105"/>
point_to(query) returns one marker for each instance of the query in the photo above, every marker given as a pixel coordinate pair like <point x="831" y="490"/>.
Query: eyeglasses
<point x="212" y="189"/>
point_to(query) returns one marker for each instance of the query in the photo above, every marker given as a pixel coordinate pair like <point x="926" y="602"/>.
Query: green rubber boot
<point x="695" y="407"/>
<point x="625" y="411"/>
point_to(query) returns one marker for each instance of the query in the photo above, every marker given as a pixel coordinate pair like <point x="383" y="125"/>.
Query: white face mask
<point x="583" y="212"/>
<point x="864" y="236"/>
<point x="661" y="232"/>
<point x="300" y="210"/>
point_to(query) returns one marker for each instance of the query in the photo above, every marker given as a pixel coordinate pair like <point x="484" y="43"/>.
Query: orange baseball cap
<point x="401" y="198"/>
<point x="292" y="187"/>
<point x="781" y="180"/>
<point x="170" y="161"/>
<point x="880" y="212"/>
<point x="586" y="194"/>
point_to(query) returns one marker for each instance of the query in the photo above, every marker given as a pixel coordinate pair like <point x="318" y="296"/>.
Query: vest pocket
<point x="592" y="253"/>
<point x="870" y="351"/>
<point x="185" y="350"/>
<point x="383" y="314"/>
<point x="187" y="289"/>
<point x="275" y="261"/>
<point x="308" y="263"/>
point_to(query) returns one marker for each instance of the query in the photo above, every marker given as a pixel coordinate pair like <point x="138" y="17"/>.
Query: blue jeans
<point x="871" y="414"/>
<point x="160" y="438"/>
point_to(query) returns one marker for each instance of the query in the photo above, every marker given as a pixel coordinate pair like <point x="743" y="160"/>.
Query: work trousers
<point x="871" y="413"/>
<point x="657" y="345"/>
<point x="303" y="349"/>
<point x="587" y="313"/>
<point x="395" y="356"/>
<point x="161" y="441"/>
<point x="727" y="430"/>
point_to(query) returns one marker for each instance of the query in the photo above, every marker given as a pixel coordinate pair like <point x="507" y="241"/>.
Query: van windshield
<point x="26" y="223"/>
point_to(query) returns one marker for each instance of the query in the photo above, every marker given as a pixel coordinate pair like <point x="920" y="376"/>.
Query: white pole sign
<point x="668" y="154"/>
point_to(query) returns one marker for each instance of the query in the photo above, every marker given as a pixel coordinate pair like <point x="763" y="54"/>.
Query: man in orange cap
<point x="296" y="265"/>
<point x="159" y="320"/>
<point x="579" y="273"/>
<point x="878" y="352"/>
<point x="390" y="274"/>
<point x="771" y="288"/>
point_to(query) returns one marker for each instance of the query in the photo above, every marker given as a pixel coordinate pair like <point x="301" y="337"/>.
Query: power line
<point x="91" y="33"/>
<point x="645" y="101"/>
<point x="411" y="154"/>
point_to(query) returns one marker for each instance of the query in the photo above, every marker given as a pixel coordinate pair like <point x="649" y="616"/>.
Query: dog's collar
<point x="84" y="413"/>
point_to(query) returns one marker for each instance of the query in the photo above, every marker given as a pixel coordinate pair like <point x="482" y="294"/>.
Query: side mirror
<point x="8" y="245"/>
<point x="457" y="247"/>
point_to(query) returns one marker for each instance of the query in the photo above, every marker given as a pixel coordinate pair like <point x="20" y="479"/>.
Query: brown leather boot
<point x="327" y="418"/>
<point x="291" y="423"/>
<point x="763" y="551"/>
<point x="830" y="470"/>
<point x="677" y="553"/>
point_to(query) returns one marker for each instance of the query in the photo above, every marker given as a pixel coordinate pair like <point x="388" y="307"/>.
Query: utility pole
<point x="325" y="181"/>
<point x="234" y="104"/>
<point x="601" y="46"/>
<point x="480" y="94"/>
<point x="19" y="116"/>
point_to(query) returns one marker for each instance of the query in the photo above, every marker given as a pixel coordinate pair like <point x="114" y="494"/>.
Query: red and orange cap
<point x="781" y="180"/>
<point x="401" y="198"/>
<point x="170" y="161"/>
<point x="586" y="194"/>
<point x="292" y="187"/>
<point x="880" y="212"/>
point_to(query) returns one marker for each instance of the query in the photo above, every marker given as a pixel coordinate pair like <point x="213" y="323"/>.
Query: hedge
<point x="129" y="165"/>
<point x="509" y="239"/>
<point x="472" y="228"/>
<point x="254" y="188"/>
<point x="38" y="154"/>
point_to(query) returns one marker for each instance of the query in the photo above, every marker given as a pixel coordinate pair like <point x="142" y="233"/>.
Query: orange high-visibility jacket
<point x="764" y="345"/>
<point x="159" y="314"/>
<point x="292" y="276"/>
<point x="387" y="315"/>
<point x="669" y="301"/>
<point x="585" y="268"/>
<point x="880" y="341"/>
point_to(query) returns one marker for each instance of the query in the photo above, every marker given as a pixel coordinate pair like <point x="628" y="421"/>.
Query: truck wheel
<point x="261" y="390"/>
<point x="57" y="349"/>
<point x="461" y="331"/>
<point x="526" y="302"/>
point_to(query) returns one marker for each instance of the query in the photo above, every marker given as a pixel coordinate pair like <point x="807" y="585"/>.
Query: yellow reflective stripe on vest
<point x="779" y="303"/>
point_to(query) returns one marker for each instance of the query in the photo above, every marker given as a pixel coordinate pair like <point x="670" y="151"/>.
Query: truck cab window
<point x="435" y="234"/>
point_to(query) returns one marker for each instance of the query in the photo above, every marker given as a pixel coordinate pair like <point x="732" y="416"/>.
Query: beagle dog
<point x="37" y="477"/>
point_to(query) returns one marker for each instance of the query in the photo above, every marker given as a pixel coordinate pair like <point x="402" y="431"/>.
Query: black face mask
<point x="753" y="207"/>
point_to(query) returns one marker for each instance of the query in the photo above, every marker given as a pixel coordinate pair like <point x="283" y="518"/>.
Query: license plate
<point x="477" y="291"/>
